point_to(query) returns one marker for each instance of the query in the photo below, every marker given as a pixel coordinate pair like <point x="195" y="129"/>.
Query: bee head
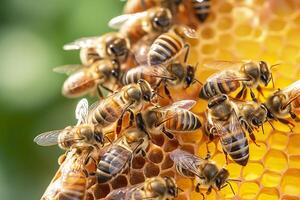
<point x="118" y="47"/>
<point x="171" y="186"/>
<point x="265" y="73"/>
<point x="221" y="178"/>
<point x="147" y="92"/>
<point x="190" y="75"/>
<point x="162" y="19"/>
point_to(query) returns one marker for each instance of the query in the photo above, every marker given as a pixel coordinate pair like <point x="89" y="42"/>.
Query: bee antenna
<point x="262" y="128"/>
<point x="156" y="93"/>
<point x="181" y="190"/>
<point x="272" y="66"/>
<point x="198" y="81"/>
<point x="164" y="77"/>
<point x="290" y="101"/>
<point x="271" y="124"/>
<point x="230" y="187"/>
<point x="272" y="79"/>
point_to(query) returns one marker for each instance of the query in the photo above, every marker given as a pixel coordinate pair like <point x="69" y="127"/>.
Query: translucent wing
<point x="121" y="20"/>
<point x="119" y="163"/>
<point x="81" y="112"/>
<point x="86" y="42"/>
<point x="67" y="69"/>
<point x="48" y="138"/>
<point x="141" y="49"/>
<point x="223" y="64"/>
<point x="292" y="87"/>
<point x="183" y="104"/>
<point x="227" y="76"/>
<point x="187" y="161"/>
<point x="124" y="193"/>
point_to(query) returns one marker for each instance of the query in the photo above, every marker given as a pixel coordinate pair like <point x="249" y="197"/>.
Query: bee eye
<point x="255" y="122"/>
<point x="161" y="22"/>
<point x="224" y="97"/>
<point x="98" y="138"/>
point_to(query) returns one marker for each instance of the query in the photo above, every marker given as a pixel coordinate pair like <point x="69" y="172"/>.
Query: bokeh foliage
<point x="31" y="37"/>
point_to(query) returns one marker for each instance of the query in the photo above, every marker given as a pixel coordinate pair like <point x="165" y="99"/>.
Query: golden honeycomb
<point x="235" y="30"/>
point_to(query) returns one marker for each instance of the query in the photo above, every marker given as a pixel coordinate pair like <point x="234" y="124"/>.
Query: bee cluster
<point x="130" y="143"/>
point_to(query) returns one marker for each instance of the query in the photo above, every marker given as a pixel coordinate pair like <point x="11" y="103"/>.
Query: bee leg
<point x="100" y="94"/>
<point x="106" y="88"/>
<point x="241" y="92"/>
<point x="197" y="189"/>
<point x="294" y="116"/>
<point x="120" y="120"/>
<point x="158" y="84"/>
<point x="287" y="122"/>
<point x="167" y="133"/>
<point x="253" y="96"/>
<point x="167" y="91"/>
<point x="260" y="91"/>
<point x="253" y="138"/>
<point x="226" y="156"/>
<point x="208" y="190"/>
<point x="245" y="94"/>
<point x="187" y="47"/>
<point x="131" y="118"/>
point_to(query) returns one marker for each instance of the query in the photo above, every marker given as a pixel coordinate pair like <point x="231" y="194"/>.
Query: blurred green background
<point x="32" y="34"/>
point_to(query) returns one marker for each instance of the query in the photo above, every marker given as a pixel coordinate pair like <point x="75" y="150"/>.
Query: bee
<point x="200" y="8"/>
<point x="205" y="171"/>
<point x="246" y="74"/>
<point x="121" y="153"/>
<point x="135" y="26"/>
<point x="252" y="115"/>
<point x="223" y="122"/>
<point x="80" y="135"/>
<point x="169" y="45"/>
<point x="130" y="98"/>
<point x="284" y="102"/>
<point x="160" y="188"/>
<point x="85" y="80"/>
<point x="71" y="180"/>
<point x="175" y="117"/>
<point x="110" y="45"/>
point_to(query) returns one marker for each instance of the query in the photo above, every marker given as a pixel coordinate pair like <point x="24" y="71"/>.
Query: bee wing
<point x="183" y="104"/>
<point x="81" y="112"/>
<point x="227" y="76"/>
<point x="117" y="165"/>
<point x="48" y="138"/>
<point x="223" y="64"/>
<point x="67" y="69"/>
<point x="85" y="42"/>
<point x="121" y="20"/>
<point x="187" y="161"/>
<point x="292" y="87"/>
<point x="124" y="193"/>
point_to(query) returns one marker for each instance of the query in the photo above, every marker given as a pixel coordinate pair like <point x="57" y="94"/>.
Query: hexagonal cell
<point x="290" y="182"/>
<point x="208" y="33"/>
<point x="220" y="159"/>
<point x="169" y="173"/>
<point x="252" y="171"/>
<point x="225" y="7"/>
<point x="158" y="139"/>
<point x="168" y="163"/>
<point x="155" y="155"/>
<point x="278" y="141"/>
<point x="184" y="183"/>
<point x="270" y="179"/>
<point x="138" y="162"/>
<point x="282" y="8"/>
<point x="227" y="193"/>
<point x="257" y="152"/>
<point x="268" y="194"/>
<point x="189" y="148"/>
<point x="243" y="30"/>
<point x="151" y="170"/>
<point x="171" y="145"/>
<point x="89" y="196"/>
<point x="136" y="177"/>
<point x="208" y="49"/>
<point x="294" y="144"/>
<point x="120" y="181"/>
<point x="225" y="23"/>
<point x="275" y="160"/>
<point x="248" y="190"/>
<point x="294" y="162"/>
<point x="191" y="137"/>
<point x="101" y="190"/>
<point x="277" y="24"/>
<point x="234" y="170"/>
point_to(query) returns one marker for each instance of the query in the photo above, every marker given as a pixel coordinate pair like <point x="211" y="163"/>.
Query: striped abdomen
<point x="201" y="9"/>
<point x="109" y="111"/>
<point x="219" y="85"/>
<point x="236" y="145"/>
<point x="165" y="48"/>
<point x="73" y="187"/>
<point x="144" y="72"/>
<point x="182" y="120"/>
<point x="113" y="162"/>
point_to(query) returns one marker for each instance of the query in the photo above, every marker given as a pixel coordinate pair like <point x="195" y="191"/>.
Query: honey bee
<point x="201" y="8"/>
<point x="160" y="188"/>
<point x="283" y="103"/>
<point x="80" y="135"/>
<point x="110" y="45"/>
<point x="175" y="117"/>
<point x="223" y="122"/>
<point x="130" y="98"/>
<point x="71" y="180"/>
<point x="252" y="115"/>
<point x="120" y="154"/>
<point x="204" y="170"/>
<point x="135" y="26"/>
<point x="246" y="74"/>
<point x="84" y="80"/>
<point x="169" y="45"/>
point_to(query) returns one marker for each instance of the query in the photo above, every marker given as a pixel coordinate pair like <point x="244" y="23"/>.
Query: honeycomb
<point x="235" y="30"/>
